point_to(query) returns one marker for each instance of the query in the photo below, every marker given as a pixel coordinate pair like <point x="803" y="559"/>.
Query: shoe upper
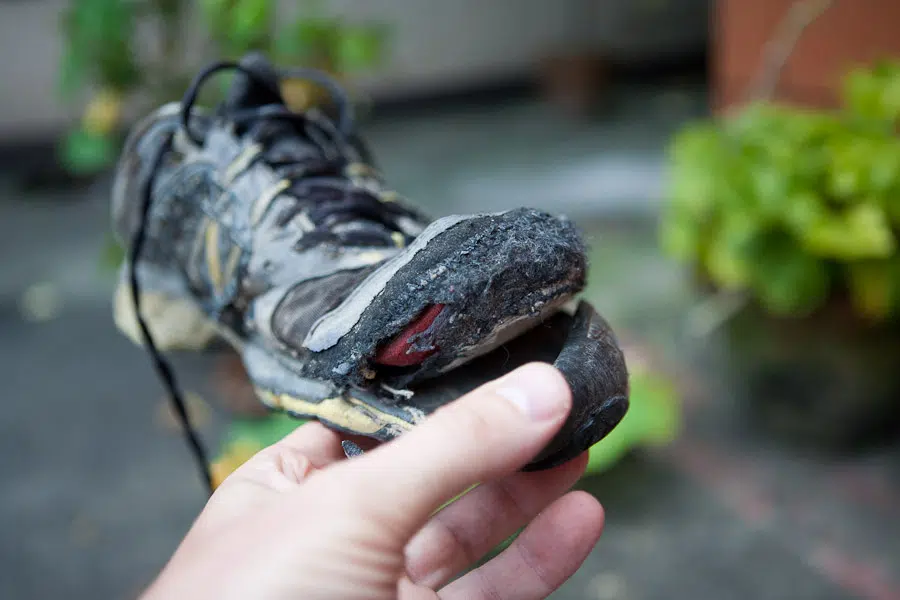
<point x="284" y="232"/>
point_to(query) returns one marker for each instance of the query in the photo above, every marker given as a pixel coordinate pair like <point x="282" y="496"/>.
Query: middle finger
<point x="463" y="532"/>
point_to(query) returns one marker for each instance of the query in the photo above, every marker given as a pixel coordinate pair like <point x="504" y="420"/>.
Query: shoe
<point x="274" y="231"/>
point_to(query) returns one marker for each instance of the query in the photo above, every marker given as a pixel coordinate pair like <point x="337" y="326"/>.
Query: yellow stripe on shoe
<point x="344" y="411"/>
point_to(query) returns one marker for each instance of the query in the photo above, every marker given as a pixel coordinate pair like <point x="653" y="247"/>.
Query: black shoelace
<point x="328" y="201"/>
<point x="347" y="206"/>
<point x="162" y="366"/>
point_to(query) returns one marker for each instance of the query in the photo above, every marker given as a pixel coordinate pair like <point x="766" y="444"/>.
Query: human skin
<point x="298" y="520"/>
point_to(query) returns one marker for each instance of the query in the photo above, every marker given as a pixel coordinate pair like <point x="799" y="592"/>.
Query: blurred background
<point x="734" y="165"/>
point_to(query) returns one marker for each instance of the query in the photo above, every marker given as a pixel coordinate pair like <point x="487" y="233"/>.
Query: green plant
<point x="653" y="420"/>
<point x="101" y="54"/>
<point x="791" y="206"/>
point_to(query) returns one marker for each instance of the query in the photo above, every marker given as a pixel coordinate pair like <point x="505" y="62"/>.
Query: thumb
<point x="488" y="433"/>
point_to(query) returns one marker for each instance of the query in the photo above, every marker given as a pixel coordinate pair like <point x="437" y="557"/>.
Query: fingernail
<point x="537" y="390"/>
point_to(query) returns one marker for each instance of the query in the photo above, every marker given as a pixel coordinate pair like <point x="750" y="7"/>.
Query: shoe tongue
<point x="260" y="89"/>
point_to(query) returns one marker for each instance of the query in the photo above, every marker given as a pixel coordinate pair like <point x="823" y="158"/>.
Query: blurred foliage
<point x="653" y="419"/>
<point x="100" y="56"/>
<point x="112" y="253"/>
<point x="793" y="205"/>
<point x="246" y="437"/>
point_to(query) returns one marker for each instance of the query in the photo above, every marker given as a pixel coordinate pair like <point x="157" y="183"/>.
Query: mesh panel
<point x="309" y="300"/>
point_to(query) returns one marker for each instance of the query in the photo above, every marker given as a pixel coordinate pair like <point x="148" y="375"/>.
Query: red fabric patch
<point x="395" y="354"/>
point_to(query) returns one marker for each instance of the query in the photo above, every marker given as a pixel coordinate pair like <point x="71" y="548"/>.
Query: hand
<point x="299" y="521"/>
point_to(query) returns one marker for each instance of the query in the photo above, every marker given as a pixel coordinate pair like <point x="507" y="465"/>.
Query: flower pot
<point x="830" y="379"/>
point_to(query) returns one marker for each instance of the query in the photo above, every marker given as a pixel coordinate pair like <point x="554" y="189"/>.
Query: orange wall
<point x="849" y="32"/>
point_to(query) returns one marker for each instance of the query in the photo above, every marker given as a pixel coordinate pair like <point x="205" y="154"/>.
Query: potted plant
<point x="796" y="212"/>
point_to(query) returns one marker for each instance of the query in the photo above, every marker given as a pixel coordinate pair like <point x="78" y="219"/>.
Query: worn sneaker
<point x="274" y="231"/>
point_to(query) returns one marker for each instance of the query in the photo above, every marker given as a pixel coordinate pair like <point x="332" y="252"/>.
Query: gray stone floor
<point x="97" y="491"/>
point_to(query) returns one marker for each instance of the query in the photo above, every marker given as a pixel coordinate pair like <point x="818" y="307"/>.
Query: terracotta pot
<point x="831" y="379"/>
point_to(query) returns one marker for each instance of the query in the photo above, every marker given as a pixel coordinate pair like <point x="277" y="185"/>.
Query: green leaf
<point x="697" y="144"/>
<point x="263" y="431"/>
<point x="653" y="419"/>
<point x="309" y="41"/>
<point x="874" y="94"/>
<point x="99" y="35"/>
<point x="802" y="211"/>
<point x="786" y="279"/>
<point x="359" y="48"/>
<point x="251" y="24"/>
<point x="698" y="159"/>
<point x="860" y="232"/>
<point x="850" y="168"/>
<point x="680" y="238"/>
<point x="884" y="166"/>
<point x="86" y="153"/>
<point x="771" y="187"/>
<point x="861" y="93"/>
<point x="217" y="14"/>
<point x="726" y="257"/>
